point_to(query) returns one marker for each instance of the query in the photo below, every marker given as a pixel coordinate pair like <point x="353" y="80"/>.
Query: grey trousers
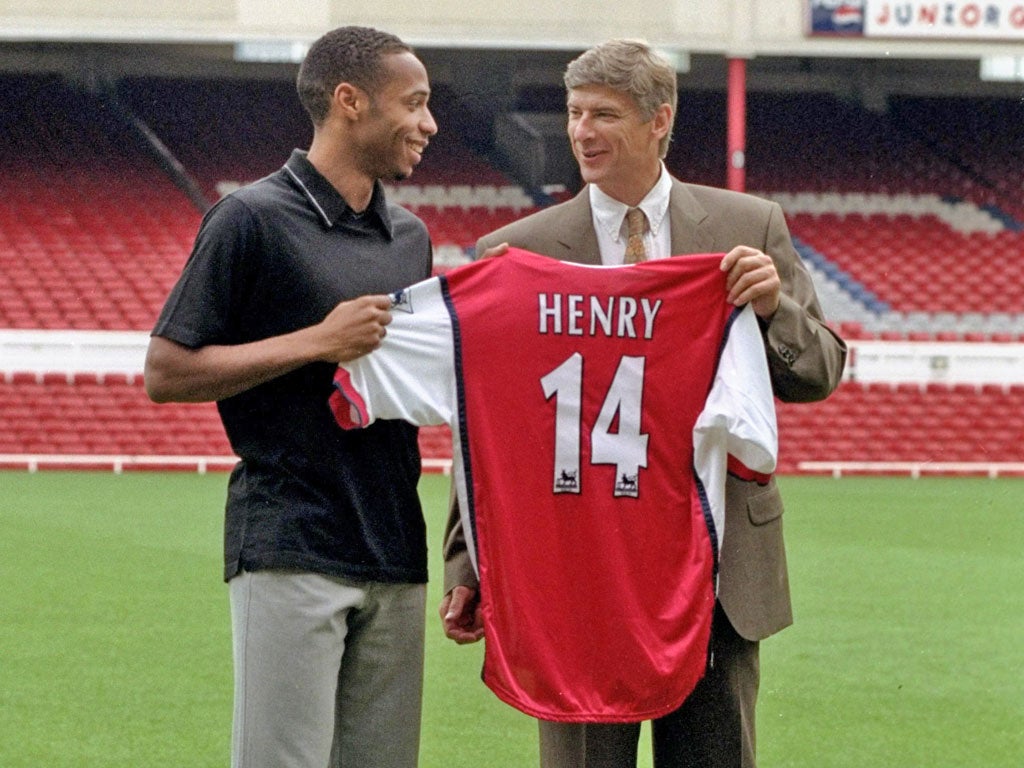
<point x="714" y="728"/>
<point x="328" y="672"/>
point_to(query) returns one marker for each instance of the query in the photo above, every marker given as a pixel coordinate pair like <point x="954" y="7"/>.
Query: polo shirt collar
<point x="329" y="205"/>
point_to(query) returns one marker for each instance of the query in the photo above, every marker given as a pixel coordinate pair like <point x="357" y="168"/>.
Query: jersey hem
<point x="589" y="717"/>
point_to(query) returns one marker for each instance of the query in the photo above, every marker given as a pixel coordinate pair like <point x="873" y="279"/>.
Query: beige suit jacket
<point x="805" y="359"/>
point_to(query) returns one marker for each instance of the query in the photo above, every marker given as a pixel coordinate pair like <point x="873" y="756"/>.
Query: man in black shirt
<point x="324" y="549"/>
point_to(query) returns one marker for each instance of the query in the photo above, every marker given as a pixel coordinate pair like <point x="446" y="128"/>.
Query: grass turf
<point x="909" y="594"/>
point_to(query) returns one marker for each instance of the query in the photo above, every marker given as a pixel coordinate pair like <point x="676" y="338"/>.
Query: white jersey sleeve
<point x="738" y="418"/>
<point x="411" y="375"/>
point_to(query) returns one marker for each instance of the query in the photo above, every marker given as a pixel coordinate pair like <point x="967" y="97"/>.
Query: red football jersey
<point x="593" y="410"/>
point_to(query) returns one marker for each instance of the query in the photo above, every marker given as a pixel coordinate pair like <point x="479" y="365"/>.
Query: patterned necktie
<point x="637" y="223"/>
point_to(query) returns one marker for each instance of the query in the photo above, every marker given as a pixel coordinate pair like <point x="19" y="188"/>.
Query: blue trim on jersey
<point x="460" y="387"/>
<point x="725" y="337"/>
<point x="709" y="523"/>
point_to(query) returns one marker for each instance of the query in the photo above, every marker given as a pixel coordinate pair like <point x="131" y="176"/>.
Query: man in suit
<point x="621" y="104"/>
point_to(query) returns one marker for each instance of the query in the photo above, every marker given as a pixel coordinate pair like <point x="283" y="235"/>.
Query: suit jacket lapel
<point x="576" y="239"/>
<point x="686" y="217"/>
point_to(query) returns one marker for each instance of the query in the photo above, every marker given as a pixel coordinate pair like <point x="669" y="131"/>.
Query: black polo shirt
<point x="273" y="257"/>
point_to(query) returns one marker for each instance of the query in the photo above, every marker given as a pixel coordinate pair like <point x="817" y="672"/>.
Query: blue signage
<point x="837" y="17"/>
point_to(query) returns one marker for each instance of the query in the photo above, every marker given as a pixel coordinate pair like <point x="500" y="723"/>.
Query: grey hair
<point x="632" y="67"/>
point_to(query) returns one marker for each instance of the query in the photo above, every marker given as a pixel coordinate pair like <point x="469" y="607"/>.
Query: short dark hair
<point x="343" y="55"/>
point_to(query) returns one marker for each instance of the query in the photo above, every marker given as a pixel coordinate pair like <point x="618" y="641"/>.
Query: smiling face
<point x="616" y="148"/>
<point x="398" y="124"/>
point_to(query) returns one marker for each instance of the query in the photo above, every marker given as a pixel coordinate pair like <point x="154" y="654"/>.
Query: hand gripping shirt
<point x="593" y="412"/>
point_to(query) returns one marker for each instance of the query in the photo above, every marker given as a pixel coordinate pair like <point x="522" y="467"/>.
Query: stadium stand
<point x="908" y="427"/>
<point x="61" y="421"/>
<point x="900" y="227"/>
<point x="92" y="231"/>
<point x="219" y="129"/>
<point x="899" y="219"/>
<point x="85" y="420"/>
<point x="986" y="142"/>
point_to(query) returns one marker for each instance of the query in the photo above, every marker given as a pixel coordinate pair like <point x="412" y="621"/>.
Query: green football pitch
<point x="908" y="649"/>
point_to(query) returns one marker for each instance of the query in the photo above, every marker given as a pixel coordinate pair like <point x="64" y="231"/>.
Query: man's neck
<point x="631" y="192"/>
<point x="343" y="174"/>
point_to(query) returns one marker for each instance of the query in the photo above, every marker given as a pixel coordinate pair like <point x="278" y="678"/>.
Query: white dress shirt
<point x="610" y="222"/>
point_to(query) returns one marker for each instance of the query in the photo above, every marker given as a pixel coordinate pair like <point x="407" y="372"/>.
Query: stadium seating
<point x="92" y="231"/>
<point x="910" y="222"/>
<point x="49" y="419"/>
<point x="935" y="426"/>
<point x="986" y="141"/>
<point x="928" y="267"/>
<point x="87" y="415"/>
<point x="45" y="418"/>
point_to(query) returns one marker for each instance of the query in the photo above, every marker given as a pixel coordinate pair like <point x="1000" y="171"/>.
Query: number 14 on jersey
<point x="625" y="448"/>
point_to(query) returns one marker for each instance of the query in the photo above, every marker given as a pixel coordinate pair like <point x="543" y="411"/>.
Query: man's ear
<point x="661" y="125"/>
<point x="349" y="100"/>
